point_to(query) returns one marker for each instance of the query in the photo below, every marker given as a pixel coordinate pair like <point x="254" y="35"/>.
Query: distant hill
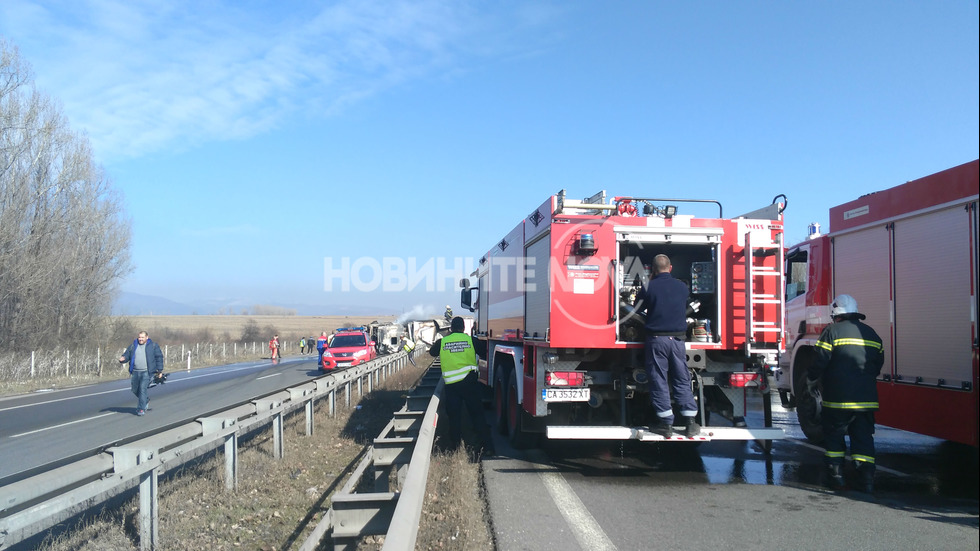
<point x="134" y="304"/>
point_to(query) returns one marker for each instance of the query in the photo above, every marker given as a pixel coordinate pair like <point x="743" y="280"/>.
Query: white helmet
<point x="843" y="304"/>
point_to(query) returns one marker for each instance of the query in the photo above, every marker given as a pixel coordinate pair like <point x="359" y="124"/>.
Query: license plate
<point x="343" y="364"/>
<point x="565" y="394"/>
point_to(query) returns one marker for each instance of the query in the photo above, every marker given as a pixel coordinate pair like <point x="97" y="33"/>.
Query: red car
<point x="349" y="346"/>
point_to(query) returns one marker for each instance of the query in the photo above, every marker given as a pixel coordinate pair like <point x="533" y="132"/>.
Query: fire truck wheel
<point x="806" y="406"/>
<point x="766" y="445"/>
<point x="500" y="404"/>
<point x="806" y="413"/>
<point x="518" y="438"/>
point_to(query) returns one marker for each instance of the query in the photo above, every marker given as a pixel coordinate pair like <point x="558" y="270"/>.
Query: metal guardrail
<point x="402" y="451"/>
<point x="32" y="505"/>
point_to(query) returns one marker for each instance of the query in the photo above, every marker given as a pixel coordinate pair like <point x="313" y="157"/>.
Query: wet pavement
<point x="907" y="463"/>
<point x="730" y="495"/>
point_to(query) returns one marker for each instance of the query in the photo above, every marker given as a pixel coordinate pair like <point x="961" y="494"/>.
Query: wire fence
<point x="97" y="361"/>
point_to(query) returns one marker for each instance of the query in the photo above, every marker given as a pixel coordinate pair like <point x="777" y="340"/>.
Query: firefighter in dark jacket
<point x="457" y="353"/>
<point x="665" y="302"/>
<point x="849" y="356"/>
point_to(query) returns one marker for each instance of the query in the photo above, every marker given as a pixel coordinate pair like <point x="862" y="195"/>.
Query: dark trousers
<point x="466" y="394"/>
<point x="666" y="363"/>
<point x="858" y="425"/>
<point x="140" y="383"/>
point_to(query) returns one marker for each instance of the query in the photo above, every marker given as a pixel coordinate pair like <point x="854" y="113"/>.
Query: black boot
<point x="835" y="478"/>
<point x="691" y="428"/>
<point x="866" y="477"/>
<point x="663" y="429"/>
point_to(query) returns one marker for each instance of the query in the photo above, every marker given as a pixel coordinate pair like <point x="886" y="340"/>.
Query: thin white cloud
<point x="145" y="76"/>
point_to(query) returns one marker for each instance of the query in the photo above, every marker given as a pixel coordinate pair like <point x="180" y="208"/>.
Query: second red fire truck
<point x="908" y="254"/>
<point x="554" y="300"/>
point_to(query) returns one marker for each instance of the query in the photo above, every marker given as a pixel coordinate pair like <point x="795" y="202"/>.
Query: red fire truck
<point x="908" y="254"/>
<point x="554" y="301"/>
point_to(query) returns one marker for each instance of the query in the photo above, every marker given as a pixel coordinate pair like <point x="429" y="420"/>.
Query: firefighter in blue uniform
<point x="849" y="356"/>
<point x="665" y="303"/>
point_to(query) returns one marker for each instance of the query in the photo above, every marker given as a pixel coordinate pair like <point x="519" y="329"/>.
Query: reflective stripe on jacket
<point x="457" y="357"/>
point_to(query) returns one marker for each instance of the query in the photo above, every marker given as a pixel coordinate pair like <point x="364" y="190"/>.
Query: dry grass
<point x="198" y="333"/>
<point x="454" y="516"/>
<point x="116" y="371"/>
<point x="279" y="502"/>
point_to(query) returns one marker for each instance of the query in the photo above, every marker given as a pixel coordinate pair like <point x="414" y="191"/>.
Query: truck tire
<point x="766" y="420"/>
<point x="516" y="435"/>
<point x="806" y="405"/>
<point x="786" y="400"/>
<point x="500" y="402"/>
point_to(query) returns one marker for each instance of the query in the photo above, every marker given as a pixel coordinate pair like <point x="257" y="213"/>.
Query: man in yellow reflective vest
<point x="457" y="353"/>
<point x="408" y="346"/>
<point x="849" y="356"/>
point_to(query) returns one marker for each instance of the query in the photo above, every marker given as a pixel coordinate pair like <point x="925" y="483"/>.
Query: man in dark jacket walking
<point x="848" y="359"/>
<point x="145" y="360"/>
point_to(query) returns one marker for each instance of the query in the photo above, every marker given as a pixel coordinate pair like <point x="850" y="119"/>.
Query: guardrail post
<point x="332" y="402"/>
<point x="270" y="404"/>
<point x="278" y="450"/>
<point x="308" y="408"/>
<point x="231" y="461"/>
<point x="347" y="389"/>
<point x="149" y="511"/>
<point x="390" y="452"/>
<point x="210" y="425"/>
<point x="416" y="403"/>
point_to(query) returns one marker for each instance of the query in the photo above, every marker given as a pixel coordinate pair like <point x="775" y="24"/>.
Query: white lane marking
<point x="583" y="525"/>
<point x="267" y="376"/>
<point x="46" y="402"/>
<point x="62" y="425"/>
<point x="127" y="389"/>
<point x="822" y="450"/>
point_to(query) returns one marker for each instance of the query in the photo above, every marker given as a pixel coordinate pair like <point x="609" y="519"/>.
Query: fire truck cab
<point x="556" y="301"/>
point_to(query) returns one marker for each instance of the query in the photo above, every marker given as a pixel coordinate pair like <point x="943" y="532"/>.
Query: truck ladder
<point x="754" y="345"/>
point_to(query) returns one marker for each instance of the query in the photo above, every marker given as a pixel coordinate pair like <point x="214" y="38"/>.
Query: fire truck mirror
<point x="464" y="283"/>
<point x="466" y="299"/>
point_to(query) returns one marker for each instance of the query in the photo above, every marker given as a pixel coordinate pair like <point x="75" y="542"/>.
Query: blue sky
<point x="252" y="140"/>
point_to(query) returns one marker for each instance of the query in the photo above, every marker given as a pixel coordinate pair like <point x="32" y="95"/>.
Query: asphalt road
<point x="730" y="495"/>
<point x="40" y="430"/>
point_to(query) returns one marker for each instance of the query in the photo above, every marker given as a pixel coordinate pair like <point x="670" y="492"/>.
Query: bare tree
<point x="64" y="239"/>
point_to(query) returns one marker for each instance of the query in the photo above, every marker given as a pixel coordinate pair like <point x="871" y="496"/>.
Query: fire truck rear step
<point x="555" y="432"/>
